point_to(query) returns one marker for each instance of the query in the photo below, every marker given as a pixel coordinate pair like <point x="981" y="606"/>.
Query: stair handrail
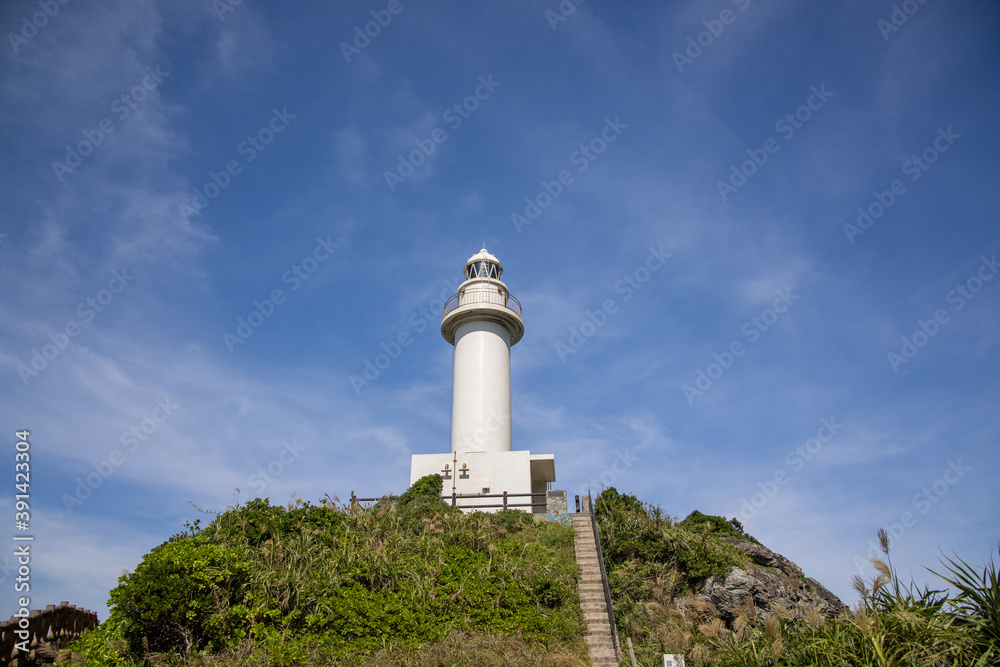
<point x="604" y="577"/>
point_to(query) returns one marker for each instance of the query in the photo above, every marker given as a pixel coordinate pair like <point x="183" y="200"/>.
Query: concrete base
<point x="490" y="472"/>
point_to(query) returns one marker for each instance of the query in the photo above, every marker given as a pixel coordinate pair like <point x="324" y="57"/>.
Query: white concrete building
<point x="483" y="321"/>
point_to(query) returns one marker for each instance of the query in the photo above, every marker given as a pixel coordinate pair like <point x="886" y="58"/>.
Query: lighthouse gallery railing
<point x="473" y="297"/>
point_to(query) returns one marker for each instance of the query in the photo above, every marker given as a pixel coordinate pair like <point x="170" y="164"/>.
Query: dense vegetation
<point x="655" y="562"/>
<point x="412" y="582"/>
<point x="406" y="582"/>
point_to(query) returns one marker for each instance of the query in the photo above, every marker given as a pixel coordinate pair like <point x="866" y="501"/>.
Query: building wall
<point x="501" y="471"/>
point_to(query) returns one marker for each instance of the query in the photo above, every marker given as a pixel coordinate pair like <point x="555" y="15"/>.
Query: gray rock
<point x="764" y="557"/>
<point x="832" y="600"/>
<point x="769" y="579"/>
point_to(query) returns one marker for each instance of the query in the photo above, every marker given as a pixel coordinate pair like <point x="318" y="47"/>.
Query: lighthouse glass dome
<point x="483" y="269"/>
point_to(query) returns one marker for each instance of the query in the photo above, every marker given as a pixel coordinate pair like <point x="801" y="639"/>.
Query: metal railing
<point x="355" y="500"/>
<point x="473" y="297"/>
<point x="455" y="497"/>
<point x="604" y="577"/>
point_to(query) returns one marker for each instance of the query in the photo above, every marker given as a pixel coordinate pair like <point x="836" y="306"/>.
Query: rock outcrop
<point x="770" y="579"/>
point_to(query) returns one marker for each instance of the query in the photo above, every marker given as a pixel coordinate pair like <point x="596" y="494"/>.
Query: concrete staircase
<point x="595" y="612"/>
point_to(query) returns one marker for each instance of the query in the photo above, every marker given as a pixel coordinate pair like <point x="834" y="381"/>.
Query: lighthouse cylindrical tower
<point x="482" y="321"/>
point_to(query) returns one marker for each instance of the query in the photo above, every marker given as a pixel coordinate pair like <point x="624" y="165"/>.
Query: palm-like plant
<point x="976" y="608"/>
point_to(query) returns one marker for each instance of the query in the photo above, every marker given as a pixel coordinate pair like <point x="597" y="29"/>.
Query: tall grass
<point x="416" y="583"/>
<point x="655" y="564"/>
<point x="976" y="608"/>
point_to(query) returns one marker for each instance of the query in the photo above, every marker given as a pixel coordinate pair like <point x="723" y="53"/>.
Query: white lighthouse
<point x="483" y="321"/>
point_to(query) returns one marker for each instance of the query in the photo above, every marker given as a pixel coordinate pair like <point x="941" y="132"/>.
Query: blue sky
<point x="674" y="192"/>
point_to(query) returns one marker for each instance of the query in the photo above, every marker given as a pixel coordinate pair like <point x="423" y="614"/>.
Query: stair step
<point x="593" y="604"/>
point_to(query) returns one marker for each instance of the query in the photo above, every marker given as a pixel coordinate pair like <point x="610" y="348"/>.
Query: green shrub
<point x="103" y="645"/>
<point x="426" y="489"/>
<point x="287" y="585"/>
<point x="633" y="531"/>
<point x="721" y="527"/>
<point x="177" y="597"/>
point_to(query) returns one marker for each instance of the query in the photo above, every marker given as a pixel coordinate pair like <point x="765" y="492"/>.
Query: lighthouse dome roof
<point x="483" y="254"/>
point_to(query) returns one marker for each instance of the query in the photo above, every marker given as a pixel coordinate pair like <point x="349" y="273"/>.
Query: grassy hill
<point x="416" y="583"/>
<point x="659" y="567"/>
<point x="407" y="583"/>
